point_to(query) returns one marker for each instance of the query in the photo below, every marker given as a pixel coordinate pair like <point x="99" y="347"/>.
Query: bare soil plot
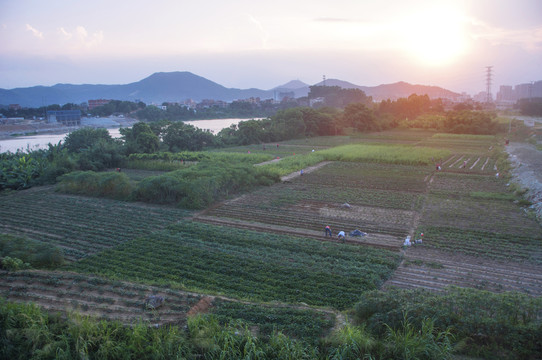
<point x="433" y="269"/>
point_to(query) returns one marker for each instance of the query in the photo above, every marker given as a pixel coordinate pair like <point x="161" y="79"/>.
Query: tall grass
<point x="389" y="154"/>
<point x="114" y="185"/>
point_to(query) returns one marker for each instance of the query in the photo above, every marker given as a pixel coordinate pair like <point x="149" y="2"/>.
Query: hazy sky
<point x="264" y="44"/>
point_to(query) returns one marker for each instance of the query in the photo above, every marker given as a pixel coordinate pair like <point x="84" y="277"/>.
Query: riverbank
<point x="9" y="131"/>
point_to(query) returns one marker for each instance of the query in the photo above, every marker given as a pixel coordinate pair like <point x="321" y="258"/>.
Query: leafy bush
<point x="14" y="264"/>
<point x="200" y="185"/>
<point x="36" y="253"/>
<point x="20" y="170"/>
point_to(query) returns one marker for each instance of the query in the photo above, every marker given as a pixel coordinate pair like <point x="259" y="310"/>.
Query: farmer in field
<point x="341" y="236"/>
<point x="327" y="230"/>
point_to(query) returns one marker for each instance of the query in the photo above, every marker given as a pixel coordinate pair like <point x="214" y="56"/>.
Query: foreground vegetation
<point x="505" y="326"/>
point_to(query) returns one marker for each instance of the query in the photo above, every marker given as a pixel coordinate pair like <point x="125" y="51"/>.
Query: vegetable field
<point x="79" y="225"/>
<point x="245" y="264"/>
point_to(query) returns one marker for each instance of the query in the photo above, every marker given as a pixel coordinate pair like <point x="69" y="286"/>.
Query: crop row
<point x="110" y="299"/>
<point x="79" y="225"/>
<point x="463" y="184"/>
<point x="497" y="216"/>
<point x="434" y="270"/>
<point x="471" y="163"/>
<point x="311" y="220"/>
<point x="371" y="176"/>
<point x="290" y="193"/>
<point x="483" y="243"/>
<point x="247" y="264"/>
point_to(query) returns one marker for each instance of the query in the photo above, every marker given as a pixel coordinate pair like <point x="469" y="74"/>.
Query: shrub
<point x="14" y="264"/>
<point x="36" y="253"/>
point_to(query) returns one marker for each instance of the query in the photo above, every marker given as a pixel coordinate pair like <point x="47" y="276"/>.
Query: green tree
<point x="359" y="117"/>
<point x="180" y="136"/>
<point x="140" y="139"/>
<point x="84" y="138"/>
<point x="470" y="122"/>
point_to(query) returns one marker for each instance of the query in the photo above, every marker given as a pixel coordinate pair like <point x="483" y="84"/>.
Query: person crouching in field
<point x="341" y="236"/>
<point x="327" y="230"/>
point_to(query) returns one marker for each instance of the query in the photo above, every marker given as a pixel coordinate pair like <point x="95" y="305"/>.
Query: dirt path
<point x="305" y="171"/>
<point x="527" y="163"/>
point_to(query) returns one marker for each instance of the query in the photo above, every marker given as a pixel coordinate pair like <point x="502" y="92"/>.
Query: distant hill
<point x="394" y="91"/>
<point x="179" y="86"/>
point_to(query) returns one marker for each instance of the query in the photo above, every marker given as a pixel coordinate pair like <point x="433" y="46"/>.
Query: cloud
<point x="88" y="41"/>
<point x="66" y="34"/>
<point x="264" y="36"/>
<point x="80" y="38"/>
<point x="34" y="31"/>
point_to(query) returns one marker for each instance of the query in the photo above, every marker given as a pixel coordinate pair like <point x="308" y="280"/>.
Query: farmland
<point x="79" y="225"/>
<point x="246" y="265"/>
<point x="261" y="257"/>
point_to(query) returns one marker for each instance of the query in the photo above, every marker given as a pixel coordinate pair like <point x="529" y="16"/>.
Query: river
<point x="36" y="142"/>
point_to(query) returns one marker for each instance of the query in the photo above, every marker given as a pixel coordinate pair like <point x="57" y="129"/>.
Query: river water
<point x="36" y="142"/>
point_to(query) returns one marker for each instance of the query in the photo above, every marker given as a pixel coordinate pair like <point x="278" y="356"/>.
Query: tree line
<point x="95" y="149"/>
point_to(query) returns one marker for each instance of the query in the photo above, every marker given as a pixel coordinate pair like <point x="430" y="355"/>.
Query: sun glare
<point x="435" y="36"/>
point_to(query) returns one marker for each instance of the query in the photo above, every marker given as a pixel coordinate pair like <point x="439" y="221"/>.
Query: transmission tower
<point x="324" y="80"/>
<point x="488" y="84"/>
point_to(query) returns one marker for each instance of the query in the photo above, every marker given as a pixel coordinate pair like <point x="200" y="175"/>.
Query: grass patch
<point x="388" y="154"/>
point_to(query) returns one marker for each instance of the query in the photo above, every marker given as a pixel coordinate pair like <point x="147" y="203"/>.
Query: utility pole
<point x="488" y="84"/>
<point x="324" y="80"/>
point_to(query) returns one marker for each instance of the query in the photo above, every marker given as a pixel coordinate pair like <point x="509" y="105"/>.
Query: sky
<point x="264" y="44"/>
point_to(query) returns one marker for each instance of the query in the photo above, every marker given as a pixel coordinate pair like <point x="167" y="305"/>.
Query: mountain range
<point x="179" y="86"/>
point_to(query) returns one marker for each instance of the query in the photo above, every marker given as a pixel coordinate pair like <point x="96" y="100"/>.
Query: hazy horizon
<point x="243" y="44"/>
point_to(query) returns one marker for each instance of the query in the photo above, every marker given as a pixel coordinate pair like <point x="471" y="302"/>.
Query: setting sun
<point x="435" y="36"/>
